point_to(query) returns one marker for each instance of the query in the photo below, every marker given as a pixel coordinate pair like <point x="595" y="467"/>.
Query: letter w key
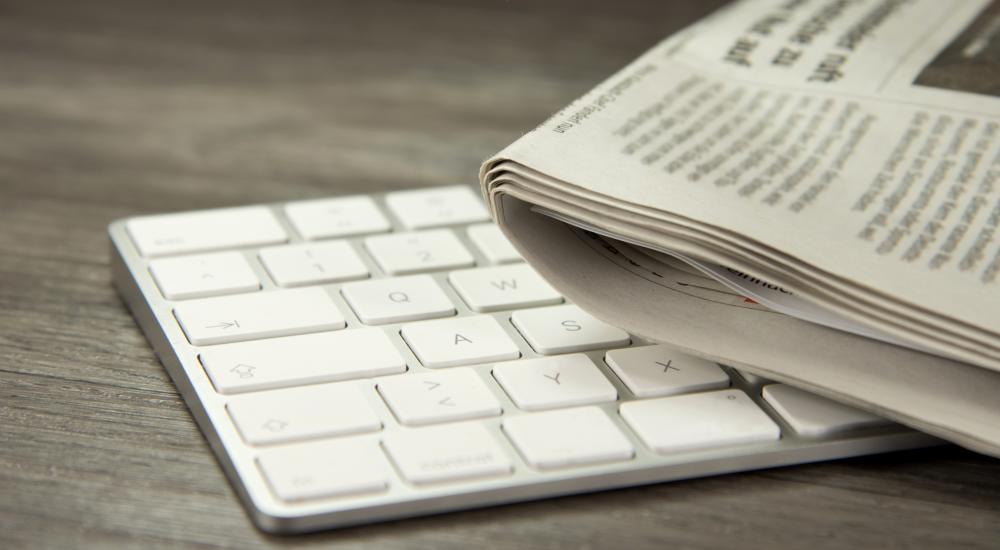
<point x="496" y="288"/>
<point x="504" y="285"/>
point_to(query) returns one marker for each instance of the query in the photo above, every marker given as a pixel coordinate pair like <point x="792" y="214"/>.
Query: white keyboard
<point x="364" y="358"/>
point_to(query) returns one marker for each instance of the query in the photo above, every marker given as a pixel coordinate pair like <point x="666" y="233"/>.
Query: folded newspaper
<point x="805" y="189"/>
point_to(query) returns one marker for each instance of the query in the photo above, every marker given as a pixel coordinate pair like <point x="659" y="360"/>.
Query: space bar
<point x="262" y="315"/>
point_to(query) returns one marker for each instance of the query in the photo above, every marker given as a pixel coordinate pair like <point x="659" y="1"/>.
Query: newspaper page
<point x="886" y="179"/>
<point x="677" y="305"/>
<point x="846" y="149"/>
<point x="750" y="289"/>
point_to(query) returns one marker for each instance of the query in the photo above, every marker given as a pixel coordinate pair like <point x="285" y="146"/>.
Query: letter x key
<point x="668" y="365"/>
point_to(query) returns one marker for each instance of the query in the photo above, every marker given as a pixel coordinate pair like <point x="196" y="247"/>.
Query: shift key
<point x="252" y="316"/>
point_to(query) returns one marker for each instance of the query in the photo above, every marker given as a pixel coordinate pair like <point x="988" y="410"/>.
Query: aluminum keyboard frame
<point x="154" y="315"/>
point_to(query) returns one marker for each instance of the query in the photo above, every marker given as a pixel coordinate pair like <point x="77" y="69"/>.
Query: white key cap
<point x="203" y="275"/>
<point x="569" y="437"/>
<point x="325" y="469"/>
<point x="404" y="253"/>
<point x="203" y="231"/>
<point x="459" y="341"/>
<point x="313" y="263"/>
<point x="436" y="207"/>
<point x="298" y="360"/>
<point x="418" y="399"/>
<point x="309" y="412"/>
<point x="655" y="371"/>
<point x="397" y="299"/>
<point x="553" y="382"/>
<point x="338" y="217"/>
<point x="493" y="244"/>
<point x="699" y="421"/>
<point x="814" y="416"/>
<point x="446" y="453"/>
<point x="504" y="287"/>
<point x="565" y="329"/>
<point x="262" y="315"/>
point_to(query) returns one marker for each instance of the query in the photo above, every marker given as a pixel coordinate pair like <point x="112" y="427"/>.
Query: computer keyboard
<point x="372" y="357"/>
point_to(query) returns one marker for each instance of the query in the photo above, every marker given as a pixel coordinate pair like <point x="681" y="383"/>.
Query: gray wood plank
<point x="118" y="108"/>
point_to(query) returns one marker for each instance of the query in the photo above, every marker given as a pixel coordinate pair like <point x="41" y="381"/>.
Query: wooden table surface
<point x="121" y="108"/>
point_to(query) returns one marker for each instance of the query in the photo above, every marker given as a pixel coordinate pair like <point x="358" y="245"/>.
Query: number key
<point x="423" y="208"/>
<point x="310" y="264"/>
<point x="493" y="244"/>
<point x="338" y="217"/>
<point x="418" y="251"/>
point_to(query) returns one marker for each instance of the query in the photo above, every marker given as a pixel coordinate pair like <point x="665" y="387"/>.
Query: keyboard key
<point x="504" y="287"/>
<point x="428" y="398"/>
<point x="325" y="469"/>
<point x="655" y="371"/>
<point x="292" y="414"/>
<point x="569" y="437"/>
<point x="397" y="299"/>
<point x="699" y="421"/>
<point x="436" y="206"/>
<point x="553" y="382"/>
<point x="166" y="234"/>
<point x="446" y="453"/>
<point x="493" y="244"/>
<point x="299" y="360"/>
<point x="814" y="416"/>
<point x="203" y="275"/>
<point x="405" y="253"/>
<point x="566" y="329"/>
<point x="459" y="341"/>
<point x="314" y="263"/>
<point x="339" y="217"/>
<point x="262" y="315"/>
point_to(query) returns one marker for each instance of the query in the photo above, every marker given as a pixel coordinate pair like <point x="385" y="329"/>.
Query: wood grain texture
<point x="119" y="108"/>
